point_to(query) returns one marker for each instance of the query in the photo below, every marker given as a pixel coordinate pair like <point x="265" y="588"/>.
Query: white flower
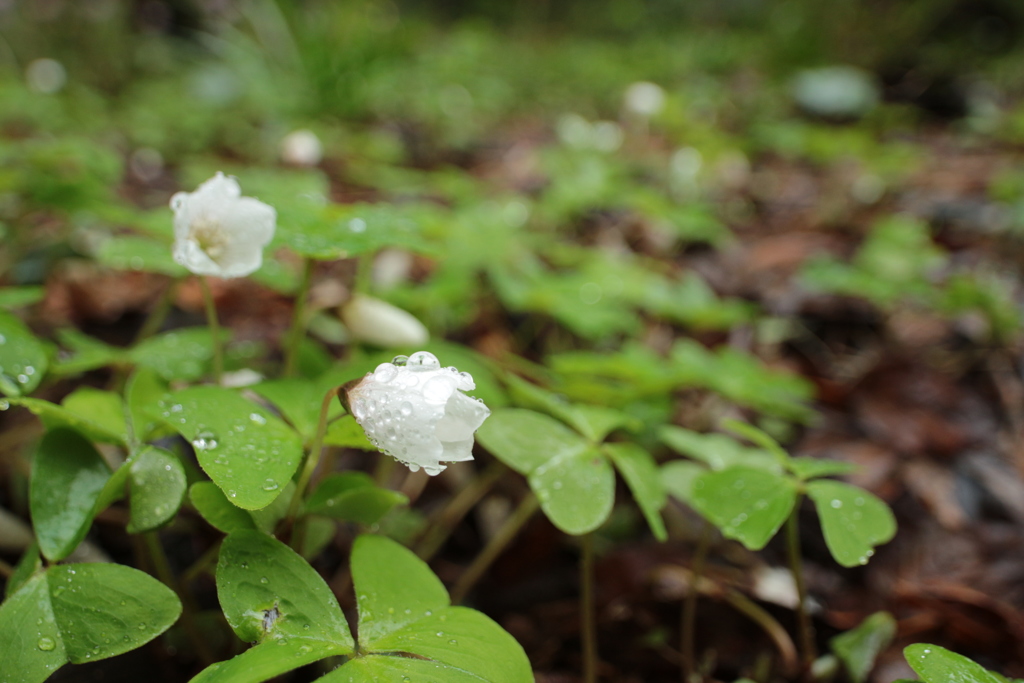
<point x="414" y="410"/>
<point x="379" y="323"/>
<point x="219" y="232"/>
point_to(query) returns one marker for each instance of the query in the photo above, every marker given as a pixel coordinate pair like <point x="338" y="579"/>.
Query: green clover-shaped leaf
<point x="746" y="504"/>
<point x="250" y="454"/>
<point x="853" y="520"/>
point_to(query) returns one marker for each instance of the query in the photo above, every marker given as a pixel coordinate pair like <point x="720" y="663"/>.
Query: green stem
<point x="774" y="630"/>
<point x="201" y="565"/>
<point x="211" y="320"/>
<point x="689" y="618"/>
<point x="6" y="570"/>
<point x="519" y="517"/>
<point x="796" y="566"/>
<point x="312" y="459"/>
<point x="457" y="508"/>
<point x="163" y="572"/>
<point x="588" y="625"/>
<point x="364" y="274"/>
<point x="298" y="328"/>
<point x="156" y="317"/>
<point x="384" y="468"/>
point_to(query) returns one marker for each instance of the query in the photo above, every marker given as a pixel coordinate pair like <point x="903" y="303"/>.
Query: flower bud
<point x="379" y="323"/>
<point x="644" y="98"/>
<point x="414" y="410"/>
<point x="302" y="148"/>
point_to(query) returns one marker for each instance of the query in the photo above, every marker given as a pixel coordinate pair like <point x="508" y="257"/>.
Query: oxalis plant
<point x="258" y="478"/>
<point x="260" y="450"/>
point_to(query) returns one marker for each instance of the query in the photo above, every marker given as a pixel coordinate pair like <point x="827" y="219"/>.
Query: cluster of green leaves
<point x="636" y="375"/>
<point x="407" y="626"/>
<point x="567" y="462"/>
<point x="899" y="264"/>
<point x="748" y="494"/>
<point x="250" y="445"/>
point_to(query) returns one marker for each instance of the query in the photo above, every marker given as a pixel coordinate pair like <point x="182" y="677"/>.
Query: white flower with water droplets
<point x="414" y="410"/>
<point x="219" y="232"/>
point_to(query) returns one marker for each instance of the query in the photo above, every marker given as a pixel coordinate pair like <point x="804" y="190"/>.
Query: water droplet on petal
<point x="424" y="360"/>
<point x="400" y="361"/>
<point x="385" y="372"/>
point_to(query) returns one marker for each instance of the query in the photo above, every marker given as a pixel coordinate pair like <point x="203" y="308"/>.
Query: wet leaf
<point x="217" y="510"/>
<point x="88" y="353"/>
<point x="28" y="565"/>
<point x="352" y="496"/>
<point x="68" y="475"/>
<point x="143" y="392"/>
<point x="593" y="422"/>
<point x="54" y="416"/>
<point x="576" y="490"/>
<point x="761" y="438"/>
<point x="102" y="408"/>
<point x="858" y="648"/>
<point x="463" y="641"/>
<point x="130" y="252"/>
<point x="678" y="478"/>
<point x="347" y="433"/>
<point x="717" y="451"/>
<point x="250" y="454"/>
<point x="374" y="668"/>
<point x="299" y="401"/>
<point x="936" y="664"/>
<point x="393" y="587"/>
<point x="641" y="473"/>
<point x="267" y="660"/>
<point x="525" y="440"/>
<point x="811" y="468"/>
<point x="31" y="647"/>
<point x="105" y="610"/>
<point x="853" y="520"/>
<point x="746" y="504"/>
<point x="403" y="607"/>
<point x="23" y="358"/>
<point x="179" y="354"/>
<point x="20" y="297"/>
<point x="158" y="484"/>
<point x="269" y="593"/>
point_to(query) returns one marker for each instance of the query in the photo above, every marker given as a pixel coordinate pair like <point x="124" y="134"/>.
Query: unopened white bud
<point x="302" y="148"/>
<point x="644" y="98"/>
<point x="379" y="323"/>
<point x="46" y="76"/>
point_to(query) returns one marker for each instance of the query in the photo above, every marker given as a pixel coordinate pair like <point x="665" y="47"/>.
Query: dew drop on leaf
<point x="46" y="644"/>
